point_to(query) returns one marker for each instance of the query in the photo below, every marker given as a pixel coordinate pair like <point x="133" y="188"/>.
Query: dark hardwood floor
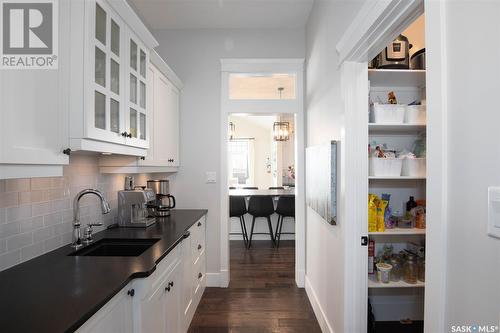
<point x="262" y="296"/>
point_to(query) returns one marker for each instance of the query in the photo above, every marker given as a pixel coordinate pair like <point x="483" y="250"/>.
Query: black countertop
<point x="58" y="293"/>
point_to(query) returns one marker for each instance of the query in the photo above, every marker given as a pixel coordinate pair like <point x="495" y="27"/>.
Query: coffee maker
<point x="164" y="200"/>
<point x="133" y="207"/>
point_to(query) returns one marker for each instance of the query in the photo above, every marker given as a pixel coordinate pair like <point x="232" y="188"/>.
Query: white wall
<point x="195" y="56"/>
<point x="325" y="122"/>
<point x="473" y="272"/>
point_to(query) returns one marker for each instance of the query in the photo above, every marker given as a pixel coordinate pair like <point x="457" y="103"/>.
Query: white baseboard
<point x="218" y="280"/>
<point x="213" y="279"/>
<point x="300" y="278"/>
<point x="318" y="310"/>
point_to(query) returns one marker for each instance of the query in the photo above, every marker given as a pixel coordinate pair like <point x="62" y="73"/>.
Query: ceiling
<point x="223" y="14"/>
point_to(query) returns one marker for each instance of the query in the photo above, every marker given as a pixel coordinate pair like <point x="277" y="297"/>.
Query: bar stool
<point x="238" y="208"/>
<point x="285" y="208"/>
<point x="261" y="206"/>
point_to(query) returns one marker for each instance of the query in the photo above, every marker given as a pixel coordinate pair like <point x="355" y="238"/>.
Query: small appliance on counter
<point x="418" y="59"/>
<point x="396" y="55"/>
<point x="164" y="201"/>
<point x="133" y="207"/>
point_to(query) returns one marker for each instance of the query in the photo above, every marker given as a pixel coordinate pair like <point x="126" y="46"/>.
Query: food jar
<point x="383" y="272"/>
<point x="396" y="269"/>
<point x="410" y="270"/>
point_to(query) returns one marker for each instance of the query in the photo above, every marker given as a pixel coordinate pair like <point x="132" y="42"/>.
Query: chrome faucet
<point x="77" y="236"/>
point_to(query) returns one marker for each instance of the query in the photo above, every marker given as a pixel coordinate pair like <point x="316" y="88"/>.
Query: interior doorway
<point x="265" y="95"/>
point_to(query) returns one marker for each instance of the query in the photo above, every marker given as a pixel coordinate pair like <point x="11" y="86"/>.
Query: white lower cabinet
<point x="114" y="317"/>
<point x="165" y="301"/>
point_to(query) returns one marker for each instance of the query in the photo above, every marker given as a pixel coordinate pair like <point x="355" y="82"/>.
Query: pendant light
<point x="281" y="131"/>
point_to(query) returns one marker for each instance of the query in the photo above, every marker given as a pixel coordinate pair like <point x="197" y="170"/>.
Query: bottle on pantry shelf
<point x="411" y="204"/>
<point x="371" y="256"/>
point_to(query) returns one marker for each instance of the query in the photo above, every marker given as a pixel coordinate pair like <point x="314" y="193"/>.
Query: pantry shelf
<point x="395" y="178"/>
<point x="396" y="128"/>
<point x="373" y="283"/>
<point x="397" y="77"/>
<point x="399" y="231"/>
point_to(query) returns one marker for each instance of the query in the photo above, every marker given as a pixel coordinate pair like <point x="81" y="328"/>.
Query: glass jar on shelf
<point x="396" y="271"/>
<point x="410" y="270"/>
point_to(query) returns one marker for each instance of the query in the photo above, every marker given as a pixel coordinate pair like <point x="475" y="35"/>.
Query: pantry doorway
<point x="375" y="27"/>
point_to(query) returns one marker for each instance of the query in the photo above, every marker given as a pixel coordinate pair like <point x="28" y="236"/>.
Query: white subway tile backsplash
<point x="36" y="214"/>
<point x="42" y="209"/>
<point x="17" y="185"/>
<point x="52" y="243"/>
<point x="51" y="219"/>
<point x="31" y="251"/>
<point x="18" y="213"/>
<point x="43" y="234"/>
<point x="31" y="224"/>
<point x="10" y="259"/>
<point x="19" y="241"/>
<point x="9" y="229"/>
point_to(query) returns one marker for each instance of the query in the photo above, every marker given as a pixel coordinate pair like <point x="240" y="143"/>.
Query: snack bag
<point x="381" y="215"/>
<point x="372" y="212"/>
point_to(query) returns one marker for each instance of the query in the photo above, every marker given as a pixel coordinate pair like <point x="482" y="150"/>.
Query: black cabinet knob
<point x="129" y="135"/>
<point x="199" y="246"/>
<point x="200" y="275"/>
<point x="199" y="224"/>
<point x="171" y="283"/>
<point x="167" y="289"/>
<point x="124" y="134"/>
<point x="131" y="292"/>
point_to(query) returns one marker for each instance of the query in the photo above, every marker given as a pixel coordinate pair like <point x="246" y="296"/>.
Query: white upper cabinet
<point x="162" y="120"/>
<point x="34" y="116"/>
<point x="109" y="55"/>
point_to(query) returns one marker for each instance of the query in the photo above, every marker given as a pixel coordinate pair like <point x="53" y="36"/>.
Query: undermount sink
<point x="114" y="247"/>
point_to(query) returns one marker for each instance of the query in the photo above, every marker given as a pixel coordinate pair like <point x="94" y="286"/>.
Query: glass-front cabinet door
<point x="137" y="89"/>
<point x="106" y="119"/>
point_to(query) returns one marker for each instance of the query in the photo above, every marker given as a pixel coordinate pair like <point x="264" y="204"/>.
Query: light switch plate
<point x="494" y="211"/>
<point x="211" y="177"/>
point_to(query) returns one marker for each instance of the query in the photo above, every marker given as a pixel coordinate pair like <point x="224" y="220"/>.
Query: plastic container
<point x="414" y="167"/>
<point x="416" y="114"/>
<point x="410" y="270"/>
<point x="384" y="272"/>
<point x="388" y="113"/>
<point x="386" y="167"/>
<point x="406" y="223"/>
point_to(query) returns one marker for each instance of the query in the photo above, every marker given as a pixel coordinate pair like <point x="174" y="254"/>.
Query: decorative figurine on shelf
<point x="391" y="98"/>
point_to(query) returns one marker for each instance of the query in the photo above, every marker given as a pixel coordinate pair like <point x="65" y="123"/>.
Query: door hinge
<point x="364" y="240"/>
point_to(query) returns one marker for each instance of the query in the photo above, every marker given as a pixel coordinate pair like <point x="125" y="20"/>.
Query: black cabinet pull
<point x="199" y="246"/>
<point x="67" y="151"/>
<point x="143" y="158"/>
<point x="131" y="292"/>
<point x="124" y="134"/>
<point x="200" y="275"/>
<point x="167" y="289"/>
<point x="199" y="224"/>
<point x="171" y="283"/>
<point x="129" y="135"/>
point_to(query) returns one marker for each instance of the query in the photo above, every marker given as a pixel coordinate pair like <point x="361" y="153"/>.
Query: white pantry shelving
<point x="374" y="128"/>
<point x="397" y="77"/>
<point x="398" y="232"/>
<point x="373" y="283"/>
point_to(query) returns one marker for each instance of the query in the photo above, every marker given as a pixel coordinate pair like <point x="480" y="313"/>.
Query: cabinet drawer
<point x="199" y="276"/>
<point x="164" y="266"/>
<point x="198" y="229"/>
